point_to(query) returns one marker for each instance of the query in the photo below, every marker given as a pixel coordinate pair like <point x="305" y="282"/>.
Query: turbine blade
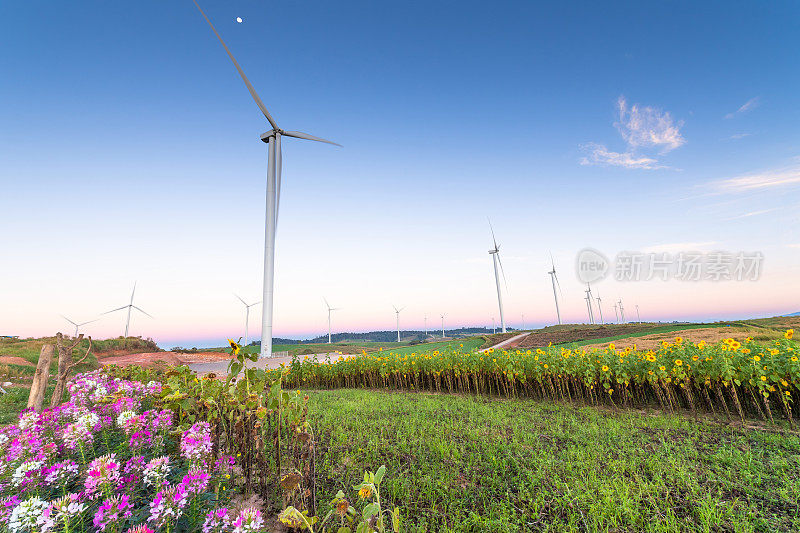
<point x="143" y="311"/>
<point x="301" y="135"/>
<point x="326" y="302"/>
<point x="492" y="230"/>
<point x="117" y="309"/>
<point x="503" y="272"/>
<point x="250" y="88"/>
<point x="133" y="291"/>
<point x="68" y="320"/>
<point x="240" y="298"/>
<point x="558" y="284"/>
<point x="87" y="322"/>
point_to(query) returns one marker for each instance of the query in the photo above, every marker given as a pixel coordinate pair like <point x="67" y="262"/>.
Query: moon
<point x="239" y="20"/>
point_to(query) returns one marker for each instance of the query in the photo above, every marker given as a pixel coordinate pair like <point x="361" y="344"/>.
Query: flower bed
<point x="112" y="460"/>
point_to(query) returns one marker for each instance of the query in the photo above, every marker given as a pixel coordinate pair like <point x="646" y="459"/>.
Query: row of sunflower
<point x="745" y="377"/>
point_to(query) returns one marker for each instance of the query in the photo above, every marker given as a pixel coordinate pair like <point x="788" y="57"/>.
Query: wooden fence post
<point x="39" y="385"/>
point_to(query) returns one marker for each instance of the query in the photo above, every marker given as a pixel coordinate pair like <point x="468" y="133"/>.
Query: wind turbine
<point x="495" y="253"/>
<point x="247" y="307"/>
<point x="426" y="326"/>
<point x="615" y="313"/>
<point x="442" y="326"/>
<point x="397" y="312"/>
<point x="523" y="321"/>
<point x="638" y="318"/>
<point x="554" y="281"/>
<point x="77" y="325"/>
<point x="129" y="307"/>
<point x="274" y="167"/>
<point x="589" y="302"/>
<point x="600" y="308"/>
<point x="621" y="311"/>
<point x="494" y="328"/>
<point x="588" y="299"/>
<point x="329" y="317"/>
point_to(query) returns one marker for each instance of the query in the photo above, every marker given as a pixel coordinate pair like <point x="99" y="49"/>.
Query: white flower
<point x="26" y="514"/>
<point x="28" y="420"/>
<point x="124" y="416"/>
<point x="24" y="468"/>
<point x="88" y="420"/>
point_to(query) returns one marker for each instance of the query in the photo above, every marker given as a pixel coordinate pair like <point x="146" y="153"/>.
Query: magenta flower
<point x="112" y="512"/>
<point x="102" y="475"/>
<point x="216" y="521"/>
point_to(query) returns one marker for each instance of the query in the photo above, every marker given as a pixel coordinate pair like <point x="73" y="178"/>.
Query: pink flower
<point x="102" y="474"/>
<point x="112" y="512"/>
<point x="216" y="521"/>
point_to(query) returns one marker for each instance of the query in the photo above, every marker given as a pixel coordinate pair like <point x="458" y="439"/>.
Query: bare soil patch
<point x="653" y="342"/>
<point x="14" y="360"/>
<point x="168" y="358"/>
<point x="558" y="335"/>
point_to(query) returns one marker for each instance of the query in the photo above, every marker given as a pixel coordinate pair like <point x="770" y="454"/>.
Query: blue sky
<point x="129" y="151"/>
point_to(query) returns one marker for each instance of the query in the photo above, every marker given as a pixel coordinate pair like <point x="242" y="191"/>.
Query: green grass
<point x="469" y="344"/>
<point x="461" y="463"/>
<point x="16" y="400"/>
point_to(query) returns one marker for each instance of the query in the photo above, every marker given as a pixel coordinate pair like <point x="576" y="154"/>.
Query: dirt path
<point x="508" y="343"/>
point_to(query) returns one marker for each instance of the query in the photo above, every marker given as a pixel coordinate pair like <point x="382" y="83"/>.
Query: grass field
<point x="463" y="463"/>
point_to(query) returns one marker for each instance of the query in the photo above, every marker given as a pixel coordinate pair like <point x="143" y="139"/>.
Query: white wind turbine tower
<point x="616" y="315"/>
<point x="494" y="328"/>
<point x="554" y="281"/>
<point x="495" y="253"/>
<point x="78" y="324"/>
<point x="523" y="321"/>
<point x="442" y="326"/>
<point x="329" y="317"/>
<point x="397" y="312"/>
<point x="274" y="167"/>
<point x="621" y="311"/>
<point x="426" y="326"/>
<point x="638" y="318"/>
<point x="600" y="308"/>
<point x="129" y="307"/>
<point x="588" y="299"/>
<point x="247" y="307"/>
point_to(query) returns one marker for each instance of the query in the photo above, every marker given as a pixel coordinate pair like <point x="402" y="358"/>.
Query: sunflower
<point x="364" y="493"/>
<point x="605" y="368"/>
<point x="678" y="362"/>
<point x="234" y="347"/>
<point x="789" y="333"/>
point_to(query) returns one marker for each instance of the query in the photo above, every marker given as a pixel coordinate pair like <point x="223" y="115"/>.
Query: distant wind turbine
<point x="77" y="324"/>
<point x="589" y="302"/>
<point x="554" y="281"/>
<point x="329" y="317"/>
<point x="247" y="307"/>
<point x="494" y="328"/>
<point x="129" y="307"/>
<point x="523" y="321"/>
<point x="616" y="315"/>
<point x="397" y="312"/>
<point x="274" y="168"/>
<point x="600" y="308"/>
<point x="621" y="311"/>
<point x="495" y="253"/>
<point x="442" y="326"/>
<point x="638" y="318"/>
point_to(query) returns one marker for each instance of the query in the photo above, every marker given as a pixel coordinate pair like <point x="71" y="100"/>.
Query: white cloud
<point x="759" y="180"/>
<point x="597" y="154"/>
<point x="740" y="135"/>
<point x="643" y="128"/>
<point x="744" y="108"/>
<point x="648" y="127"/>
<point x="753" y="213"/>
<point x="677" y="247"/>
